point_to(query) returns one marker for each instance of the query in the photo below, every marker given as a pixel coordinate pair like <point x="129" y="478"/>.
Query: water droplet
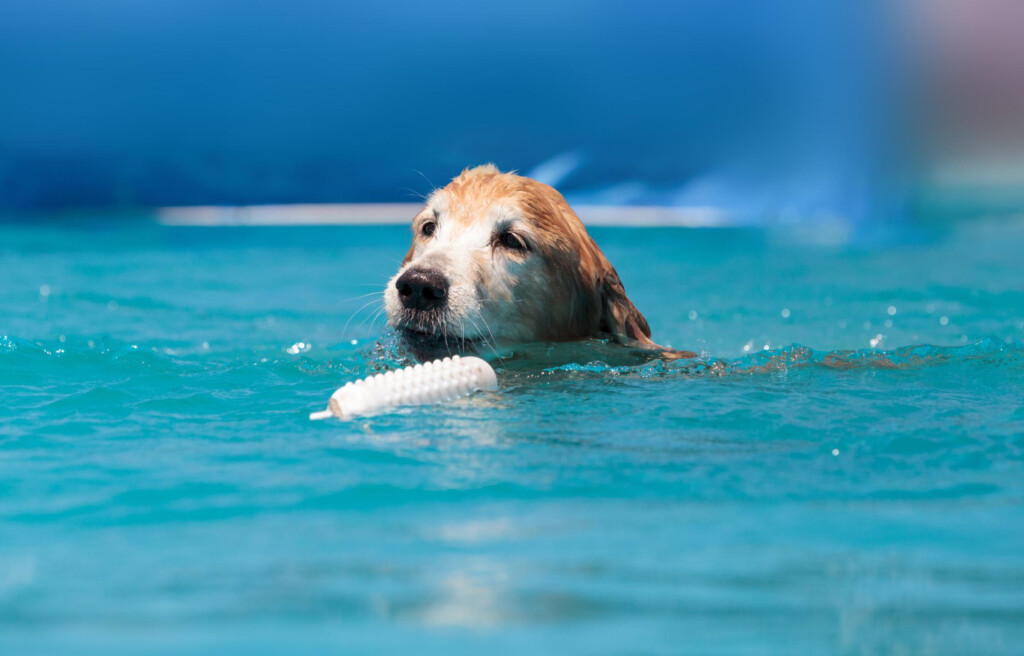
<point x="693" y="315"/>
<point x="891" y="310"/>
<point x="943" y="320"/>
<point x="888" y="323"/>
<point x="785" y="313"/>
<point x="835" y="452"/>
<point x="44" y="290"/>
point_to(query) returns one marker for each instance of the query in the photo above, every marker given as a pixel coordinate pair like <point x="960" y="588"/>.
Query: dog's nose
<point x="422" y="289"/>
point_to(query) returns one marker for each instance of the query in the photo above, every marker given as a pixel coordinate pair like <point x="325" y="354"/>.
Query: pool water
<point x="162" y="490"/>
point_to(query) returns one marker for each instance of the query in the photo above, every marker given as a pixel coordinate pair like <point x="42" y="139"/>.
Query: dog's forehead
<point x="484" y="199"/>
<point x="475" y="208"/>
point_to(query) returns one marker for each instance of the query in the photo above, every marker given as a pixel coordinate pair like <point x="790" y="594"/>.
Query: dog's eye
<point x="512" y="241"/>
<point x="428" y="228"/>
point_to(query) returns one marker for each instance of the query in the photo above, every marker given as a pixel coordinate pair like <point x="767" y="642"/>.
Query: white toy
<point x="431" y="382"/>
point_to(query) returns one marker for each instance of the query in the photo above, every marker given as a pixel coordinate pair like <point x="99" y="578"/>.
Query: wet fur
<point x="562" y="289"/>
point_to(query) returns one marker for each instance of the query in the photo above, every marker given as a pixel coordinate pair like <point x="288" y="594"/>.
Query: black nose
<point x="422" y="289"/>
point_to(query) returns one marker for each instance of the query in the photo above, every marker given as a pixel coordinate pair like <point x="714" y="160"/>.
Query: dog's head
<point x="497" y="257"/>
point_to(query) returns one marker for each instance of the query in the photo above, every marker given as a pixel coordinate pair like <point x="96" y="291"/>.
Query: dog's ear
<point x="618" y="314"/>
<point x="408" y="256"/>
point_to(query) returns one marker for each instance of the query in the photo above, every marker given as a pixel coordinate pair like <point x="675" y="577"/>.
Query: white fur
<point x="486" y="283"/>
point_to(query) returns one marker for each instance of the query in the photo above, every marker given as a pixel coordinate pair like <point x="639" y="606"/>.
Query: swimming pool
<point x="163" y="490"/>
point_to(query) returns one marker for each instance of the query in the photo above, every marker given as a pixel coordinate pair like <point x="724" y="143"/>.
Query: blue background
<point x="753" y="106"/>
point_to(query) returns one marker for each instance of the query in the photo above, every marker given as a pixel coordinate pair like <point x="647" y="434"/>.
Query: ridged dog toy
<point x="431" y="382"/>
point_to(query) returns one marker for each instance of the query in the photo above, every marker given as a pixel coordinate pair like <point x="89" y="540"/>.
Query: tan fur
<point x="563" y="289"/>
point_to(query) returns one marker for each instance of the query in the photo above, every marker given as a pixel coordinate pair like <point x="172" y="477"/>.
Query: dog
<point x="497" y="259"/>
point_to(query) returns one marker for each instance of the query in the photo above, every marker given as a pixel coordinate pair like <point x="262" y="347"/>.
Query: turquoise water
<point x="163" y="492"/>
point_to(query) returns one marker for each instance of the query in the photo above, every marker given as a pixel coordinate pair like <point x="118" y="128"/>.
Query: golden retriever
<point x="499" y="258"/>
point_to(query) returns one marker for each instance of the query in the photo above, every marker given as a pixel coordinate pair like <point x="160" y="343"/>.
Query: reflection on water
<point x="475" y="594"/>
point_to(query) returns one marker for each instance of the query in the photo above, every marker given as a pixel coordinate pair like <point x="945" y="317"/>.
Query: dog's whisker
<point x="356" y="313"/>
<point x="433" y="187"/>
<point x="488" y="327"/>
<point x="376" y="315"/>
<point x="491" y="344"/>
<point x="356" y="298"/>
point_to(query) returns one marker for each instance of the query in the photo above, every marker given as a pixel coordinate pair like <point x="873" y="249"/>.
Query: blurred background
<point x="729" y="112"/>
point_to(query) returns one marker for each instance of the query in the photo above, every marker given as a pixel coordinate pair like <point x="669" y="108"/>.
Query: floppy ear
<point x="618" y="314"/>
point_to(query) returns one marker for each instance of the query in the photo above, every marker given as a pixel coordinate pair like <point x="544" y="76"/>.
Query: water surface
<point x="162" y="490"/>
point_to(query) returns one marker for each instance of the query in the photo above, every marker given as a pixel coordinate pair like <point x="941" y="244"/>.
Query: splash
<point x="602" y="357"/>
<point x="795" y="357"/>
<point x="595" y="357"/>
